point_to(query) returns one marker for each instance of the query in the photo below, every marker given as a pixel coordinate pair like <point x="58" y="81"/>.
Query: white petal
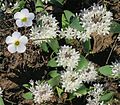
<point x="21" y="48"/>
<point x="23" y="39"/>
<point x="25" y="12"/>
<point x="18" y="15"/>
<point x="19" y="23"/>
<point x="28" y="23"/>
<point x="9" y="40"/>
<point x="16" y="35"/>
<point x="31" y="16"/>
<point x="11" y="48"/>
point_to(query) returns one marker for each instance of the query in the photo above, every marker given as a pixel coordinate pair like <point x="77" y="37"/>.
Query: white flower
<point x="16" y="43"/>
<point x="72" y="33"/>
<point x="24" y="18"/>
<point x="1" y="92"/>
<point x="70" y="81"/>
<point x="42" y="92"/>
<point x="45" y="1"/>
<point x="116" y="69"/>
<point x="89" y="73"/>
<point x="47" y="31"/>
<point x="96" y="20"/>
<point x="95" y="95"/>
<point x="68" y="57"/>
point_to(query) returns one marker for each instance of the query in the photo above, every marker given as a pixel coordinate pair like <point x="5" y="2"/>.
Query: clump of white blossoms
<point x="89" y="73"/>
<point x="47" y="31"/>
<point x="68" y="57"/>
<point x="42" y="92"/>
<point x="72" y="33"/>
<point x="96" y="20"/>
<point x="70" y="80"/>
<point x="45" y="1"/>
<point x="16" y="42"/>
<point x="116" y="69"/>
<point x="1" y="92"/>
<point x="24" y="18"/>
<point x="95" y="95"/>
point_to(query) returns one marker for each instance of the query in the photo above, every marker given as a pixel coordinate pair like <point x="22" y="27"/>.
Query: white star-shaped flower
<point x="24" y="18"/>
<point x="16" y="43"/>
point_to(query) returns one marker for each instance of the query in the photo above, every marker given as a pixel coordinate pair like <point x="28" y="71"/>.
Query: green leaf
<point x="1" y="101"/>
<point x="54" y="45"/>
<point x="66" y="18"/>
<point x="83" y="62"/>
<point x="39" y="6"/>
<point x="76" y="24"/>
<point x="26" y="85"/>
<point x="21" y="5"/>
<point x="28" y="95"/>
<point x="107" y="96"/>
<point x="54" y="73"/>
<point x="87" y="46"/>
<point x="81" y="91"/>
<point x="115" y="27"/>
<point x="59" y="91"/>
<point x="71" y="96"/>
<point x="106" y="70"/>
<point x="58" y="3"/>
<point x="44" y="46"/>
<point x="52" y="63"/>
<point x="54" y="81"/>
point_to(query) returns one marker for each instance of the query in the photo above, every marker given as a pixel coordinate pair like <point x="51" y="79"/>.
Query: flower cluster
<point x="68" y="57"/>
<point x="70" y="80"/>
<point x="47" y="31"/>
<point x="42" y="92"/>
<point x="116" y="69"/>
<point x="95" y="94"/>
<point x="1" y="92"/>
<point x="96" y="20"/>
<point x="89" y="73"/>
<point x="70" y="33"/>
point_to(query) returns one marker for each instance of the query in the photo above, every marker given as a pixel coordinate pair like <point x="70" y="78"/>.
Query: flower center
<point x="24" y="19"/>
<point x="17" y="43"/>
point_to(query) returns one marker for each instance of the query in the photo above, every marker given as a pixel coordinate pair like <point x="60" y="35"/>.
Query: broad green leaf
<point x="52" y="63"/>
<point x="81" y="91"/>
<point x="75" y="23"/>
<point x="107" y="96"/>
<point x="87" y="46"/>
<point x="54" y="81"/>
<point x="39" y="6"/>
<point x="54" y="73"/>
<point x="59" y="91"/>
<point x="44" y="47"/>
<point x="54" y="45"/>
<point x="115" y="27"/>
<point x="66" y="17"/>
<point x="28" y="96"/>
<point x="1" y="101"/>
<point x="83" y="62"/>
<point x="106" y="70"/>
